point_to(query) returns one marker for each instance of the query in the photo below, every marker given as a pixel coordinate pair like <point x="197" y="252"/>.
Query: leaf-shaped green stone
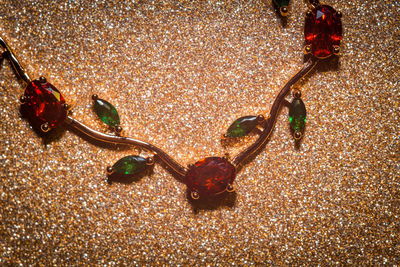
<point x="297" y="115"/>
<point x="242" y="126"/>
<point x="106" y="112"/>
<point x="130" y="165"/>
<point x="281" y="3"/>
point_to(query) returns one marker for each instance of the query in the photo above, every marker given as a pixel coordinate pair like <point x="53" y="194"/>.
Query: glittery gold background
<point x="179" y="73"/>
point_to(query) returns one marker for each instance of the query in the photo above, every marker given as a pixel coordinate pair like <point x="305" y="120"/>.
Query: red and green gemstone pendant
<point x="46" y="109"/>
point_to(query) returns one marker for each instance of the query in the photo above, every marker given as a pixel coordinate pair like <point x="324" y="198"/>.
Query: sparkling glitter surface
<point x="179" y="73"/>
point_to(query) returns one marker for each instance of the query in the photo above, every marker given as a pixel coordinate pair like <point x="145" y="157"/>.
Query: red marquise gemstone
<point x="44" y="104"/>
<point x="210" y="176"/>
<point x="323" y="31"/>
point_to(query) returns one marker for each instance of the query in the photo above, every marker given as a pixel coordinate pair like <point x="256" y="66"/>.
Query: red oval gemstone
<point x="44" y="104"/>
<point x="323" y="31"/>
<point x="210" y="176"/>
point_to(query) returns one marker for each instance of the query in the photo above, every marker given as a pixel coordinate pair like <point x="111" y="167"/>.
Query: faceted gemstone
<point x="323" y="31"/>
<point x="242" y="126"/>
<point x="106" y="112"/>
<point x="210" y="176"/>
<point x="281" y="3"/>
<point x="44" y="104"/>
<point x="130" y="165"/>
<point x="297" y="115"/>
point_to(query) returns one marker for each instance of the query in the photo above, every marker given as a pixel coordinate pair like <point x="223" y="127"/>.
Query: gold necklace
<point x="210" y="177"/>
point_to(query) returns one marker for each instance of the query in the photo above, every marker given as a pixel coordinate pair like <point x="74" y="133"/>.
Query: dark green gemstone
<point x="297" y="115"/>
<point x="130" y="165"/>
<point x="242" y="126"/>
<point x="106" y="112"/>
<point x="281" y="3"/>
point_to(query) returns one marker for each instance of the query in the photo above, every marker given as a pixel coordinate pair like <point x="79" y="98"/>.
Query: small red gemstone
<point x="323" y="31"/>
<point x="44" y="104"/>
<point x="210" y="176"/>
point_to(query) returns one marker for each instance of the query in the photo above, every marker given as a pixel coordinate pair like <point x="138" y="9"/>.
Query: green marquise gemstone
<point x="106" y="112"/>
<point x="130" y="165"/>
<point x="281" y="3"/>
<point x="242" y="126"/>
<point x="297" y="115"/>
